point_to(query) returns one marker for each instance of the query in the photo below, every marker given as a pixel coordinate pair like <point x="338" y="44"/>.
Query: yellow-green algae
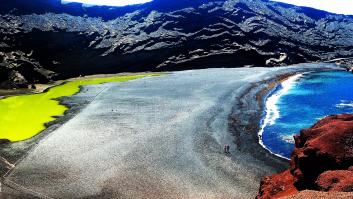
<point x="24" y="116"/>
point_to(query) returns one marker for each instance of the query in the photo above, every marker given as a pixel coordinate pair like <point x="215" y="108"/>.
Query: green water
<point x="24" y="116"/>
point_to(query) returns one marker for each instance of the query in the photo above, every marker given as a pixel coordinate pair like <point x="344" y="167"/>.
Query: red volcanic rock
<point x="339" y="180"/>
<point x="277" y="186"/>
<point x="328" y="145"/>
<point x="322" y="160"/>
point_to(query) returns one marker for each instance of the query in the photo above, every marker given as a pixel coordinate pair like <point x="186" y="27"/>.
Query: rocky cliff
<point x="42" y="40"/>
<point x="322" y="161"/>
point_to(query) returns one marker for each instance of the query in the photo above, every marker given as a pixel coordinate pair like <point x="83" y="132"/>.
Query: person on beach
<point x="226" y="148"/>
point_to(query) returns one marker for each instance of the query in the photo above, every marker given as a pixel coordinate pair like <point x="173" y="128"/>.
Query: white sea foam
<point x="288" y="138"/>
<point x="345" y="104"/>
<point x="271" y="108"/>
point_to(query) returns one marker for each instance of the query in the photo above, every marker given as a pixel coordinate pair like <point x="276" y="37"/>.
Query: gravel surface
<point x="159" y="137"/>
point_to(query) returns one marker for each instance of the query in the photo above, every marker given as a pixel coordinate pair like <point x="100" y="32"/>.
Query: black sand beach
<point x="159" y="137"/>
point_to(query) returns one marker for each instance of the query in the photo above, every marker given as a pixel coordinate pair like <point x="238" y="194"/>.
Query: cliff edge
<point x="321" y="161"/>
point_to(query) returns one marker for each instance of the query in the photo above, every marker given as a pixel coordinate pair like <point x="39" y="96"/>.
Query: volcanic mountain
<point x="43" y="40"/>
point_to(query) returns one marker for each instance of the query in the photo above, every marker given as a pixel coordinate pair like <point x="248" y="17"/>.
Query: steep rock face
<point x="322" y="160"/>
<point x="70" y="40"/>
<point x="328" y="145"/>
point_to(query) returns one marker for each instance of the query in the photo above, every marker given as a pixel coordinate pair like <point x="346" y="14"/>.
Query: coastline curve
<point x="272" y="112"/>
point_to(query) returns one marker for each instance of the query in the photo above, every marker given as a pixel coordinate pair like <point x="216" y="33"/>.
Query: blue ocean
<point x="299" y="102"/>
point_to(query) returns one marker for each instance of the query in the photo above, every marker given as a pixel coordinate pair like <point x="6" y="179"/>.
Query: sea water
<point x="299" y="102"/>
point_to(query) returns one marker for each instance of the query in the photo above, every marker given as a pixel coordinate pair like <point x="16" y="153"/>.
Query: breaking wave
<point x="271" y="108"/>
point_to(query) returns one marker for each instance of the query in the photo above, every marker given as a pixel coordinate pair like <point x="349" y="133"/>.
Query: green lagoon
<point x="24" y="116"/>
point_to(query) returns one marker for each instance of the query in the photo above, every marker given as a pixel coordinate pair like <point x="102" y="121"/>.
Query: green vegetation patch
<point x="24" y="116"/>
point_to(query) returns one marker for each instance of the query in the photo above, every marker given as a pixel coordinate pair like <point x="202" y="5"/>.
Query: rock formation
<point x="61" y="41"/>
<point x="322" y="160"/>
<point x="17" y="70"/>
<point x="338" y="180"/>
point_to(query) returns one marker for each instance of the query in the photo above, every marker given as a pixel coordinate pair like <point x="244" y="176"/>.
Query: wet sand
<point x="159" y="137"/>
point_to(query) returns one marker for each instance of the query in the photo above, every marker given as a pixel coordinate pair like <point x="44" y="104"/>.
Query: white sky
<point x="108" y="2"/>
<point x="335" y="6"/>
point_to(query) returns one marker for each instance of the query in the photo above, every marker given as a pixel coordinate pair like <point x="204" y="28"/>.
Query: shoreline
<point x="42" y="88"/>
<point x="253" y="120"/>
<point x="240" y="167"/>
<point x="12" y="153"/>
<point x="275" y="91"/>
<point x="246" y="131"/>
<point x="243" y="123"/>
<point x="20" y="124"/>
<point x="271" y="112"/>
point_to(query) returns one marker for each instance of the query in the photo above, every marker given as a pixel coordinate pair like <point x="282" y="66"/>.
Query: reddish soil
<point x="321" y="161"/>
